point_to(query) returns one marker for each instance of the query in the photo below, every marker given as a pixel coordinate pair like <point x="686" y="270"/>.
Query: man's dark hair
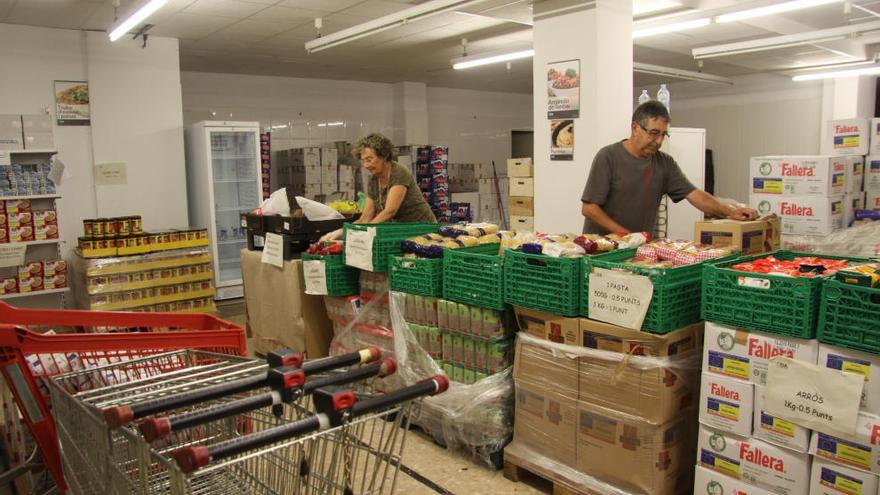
<point x="648" y="110"/>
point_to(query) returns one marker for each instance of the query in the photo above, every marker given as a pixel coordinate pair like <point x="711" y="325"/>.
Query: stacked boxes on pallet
<point x="521" y="204"/>
<point x="432" y="176"/>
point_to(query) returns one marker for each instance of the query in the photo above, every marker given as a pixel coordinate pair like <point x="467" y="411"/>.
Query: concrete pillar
<point x="410" y="117"/>
<point x="599" y="34"/>
<point x="845" y="98"/>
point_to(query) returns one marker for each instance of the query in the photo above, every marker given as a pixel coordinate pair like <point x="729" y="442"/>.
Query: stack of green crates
<point x="474" y="277"/>
<point x="764" y="302"/>
<point x="849" y="315"/>
<point x="676" y="299"/>
<point x="388" y="237"/>
<point x="425" y="276"/>
<point x="542" y="283"/>
<point x="342" y="280"/>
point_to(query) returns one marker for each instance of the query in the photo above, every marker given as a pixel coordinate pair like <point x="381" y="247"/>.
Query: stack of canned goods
<point x="109" y="228"/>
<point x="123" y="236"/>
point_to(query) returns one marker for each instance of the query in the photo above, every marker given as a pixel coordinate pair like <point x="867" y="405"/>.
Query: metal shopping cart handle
<point x="154" y="428"/>
<point x="335" y="408"/>
<point x="120" y="415"/>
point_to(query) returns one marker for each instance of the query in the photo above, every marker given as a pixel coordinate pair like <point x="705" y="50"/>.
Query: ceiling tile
<point x="286" y="15"/>
<point x="375" y="8"/>
<point x="264" y="29"/>
<point x="225" y="8"/>
<point x="67" y="14"/>
<point x="322" y="5"/>
<point x="190" y="26"/>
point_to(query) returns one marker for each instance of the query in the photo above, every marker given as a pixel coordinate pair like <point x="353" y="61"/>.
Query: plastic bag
<point x="276" y="204"/>
<point x="315" y="211"/>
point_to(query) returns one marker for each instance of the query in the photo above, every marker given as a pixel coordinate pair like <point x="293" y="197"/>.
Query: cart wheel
<point x="497" y="460"/>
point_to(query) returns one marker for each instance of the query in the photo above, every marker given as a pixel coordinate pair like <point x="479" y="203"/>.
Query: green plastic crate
<point x="677" y="290"/>
<point x="388" y="237"/>
<point x="543" y="283"/>
<point x="342" y="280"/>
<point x="474" y="276"/>
<point x="768" y="303"/>
<point x="849" y="316"/>
<point x="424" y="276"/>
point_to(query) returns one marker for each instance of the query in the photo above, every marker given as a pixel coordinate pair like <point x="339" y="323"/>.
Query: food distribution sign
<point x="564" y="89"/>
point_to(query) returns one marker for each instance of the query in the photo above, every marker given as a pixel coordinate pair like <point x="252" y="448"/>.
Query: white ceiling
<point x="267" y="36"/>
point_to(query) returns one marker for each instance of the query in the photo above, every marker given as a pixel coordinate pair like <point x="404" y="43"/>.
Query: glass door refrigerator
<point x="223" y="181"/>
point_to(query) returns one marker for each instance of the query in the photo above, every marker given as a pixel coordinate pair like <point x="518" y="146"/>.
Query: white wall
<point x="759" y="115"/>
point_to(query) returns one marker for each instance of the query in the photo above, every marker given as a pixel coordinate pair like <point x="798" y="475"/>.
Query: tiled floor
<point x="429" y="468"/>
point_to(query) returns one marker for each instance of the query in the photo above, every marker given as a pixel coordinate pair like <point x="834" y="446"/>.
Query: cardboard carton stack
<point x="521" y="205"/>
<point x="609" y="404"/>
<point x="432" y="176"/>
<point x="464" y="191"/>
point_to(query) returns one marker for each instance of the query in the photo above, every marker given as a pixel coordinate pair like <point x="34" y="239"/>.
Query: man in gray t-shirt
<point x="628" y="179"/>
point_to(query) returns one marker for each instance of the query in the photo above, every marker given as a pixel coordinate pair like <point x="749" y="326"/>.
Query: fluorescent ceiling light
<point x="659" y="70"/>
<point x="138" y="14"/>
<point x="669" y="28"/>
<point x="772" y="9"/>
<point x="864" y="71"/>
<point x="282" y="126"/>
<point x="641" y="7"/>
<point x="476" y="61"/>
<point x="331" y="124"/>
<point x="785" y="41"/>
<point x="411" y="14"/>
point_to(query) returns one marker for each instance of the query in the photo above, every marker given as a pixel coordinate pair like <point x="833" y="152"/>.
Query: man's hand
<point x="743" y="214"/>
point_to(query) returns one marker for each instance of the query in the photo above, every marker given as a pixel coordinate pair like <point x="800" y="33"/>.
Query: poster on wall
<point x="72" y="102"/>
<point x="564" y="89"/>
<point x="562" y="140"/>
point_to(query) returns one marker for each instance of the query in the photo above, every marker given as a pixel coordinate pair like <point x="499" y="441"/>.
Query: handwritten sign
<point x="619" y="298"/>
<point x="273" y="251"/>
<point x="12" y="255"/>
<point x="111" y="174"/>
<point x="812" y="396"/>
<point x="5" y="158"/>
<point x="315" y="272"/>
<point x="359" y="248"/>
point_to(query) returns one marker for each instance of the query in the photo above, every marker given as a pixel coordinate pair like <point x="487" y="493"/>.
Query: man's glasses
<point x="654" y="133"/>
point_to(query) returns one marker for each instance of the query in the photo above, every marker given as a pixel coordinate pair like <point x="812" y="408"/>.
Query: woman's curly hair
<point x="381" y="146"/>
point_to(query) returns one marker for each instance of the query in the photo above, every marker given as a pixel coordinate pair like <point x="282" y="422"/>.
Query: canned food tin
<point x="135" y="224"/>
<point x="110" y="227"/>
<point x="123" y="226"/>
<point x="98" y="228"/>
<point x="89" y="227"/>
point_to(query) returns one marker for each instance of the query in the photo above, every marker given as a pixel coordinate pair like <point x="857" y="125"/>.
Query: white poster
<point x="564" y="89"/>
<point x="359" y="248"/>
<point x="273" y="251"/>
<point x="315" y="273"/>
<point x="72" y="103"/>
<point x="619" y="298"/>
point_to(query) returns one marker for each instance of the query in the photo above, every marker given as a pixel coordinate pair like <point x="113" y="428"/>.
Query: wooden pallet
<point x="515" y="464"/>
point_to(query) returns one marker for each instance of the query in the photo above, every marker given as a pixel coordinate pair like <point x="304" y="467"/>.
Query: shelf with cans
<point x="124" y="236"/>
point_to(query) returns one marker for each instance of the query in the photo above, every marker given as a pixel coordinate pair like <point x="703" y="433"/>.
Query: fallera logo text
<point x="845" y="128"/>
<point x="793" y="210"/>
<point x="755" y="456"/>
<point x="722" y="391"/>
<point x="792" y="170"/>
<point x="764" y="350"/>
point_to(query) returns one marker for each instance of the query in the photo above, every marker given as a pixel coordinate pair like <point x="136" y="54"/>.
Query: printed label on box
<point x="829" y="478"/>
<point x="726" y="404"/>
<point x="776" y="430"/>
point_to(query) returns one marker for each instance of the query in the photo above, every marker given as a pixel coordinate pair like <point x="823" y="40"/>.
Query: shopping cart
<point x="83" y="340"/>
<point x="250" y="449"/>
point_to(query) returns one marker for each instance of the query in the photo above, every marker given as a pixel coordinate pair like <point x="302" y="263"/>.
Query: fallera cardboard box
<point x="546" y="422"/>
<point x="522" y="206"/>
<point x="545" y="325"/>
<point x="872" y="199"/>
<point x="849" y="136"/>
<point x="522" y="186"/>
<point x="745" y="355"/>
<point x="635" y="456"/>
<point x="762" y="464"/>
<point x="802" y="215"/>
<point x="872" y="173"/>
<point x="755" y="237"/>
<point x="875" y="137"/>
<point x="860" y="451"/>
<point x="726" y="404"/>
<point x="851" y="203"/>
<point x="798" y="175"/>
<point x="862" y="363"/>
<point x="830" y="478"/>
<point x="855" y="173"/>
<point x="607" y="337"/>
<point x="777" y="430"/>
<point x="710" y="482"/>
<point x="519" y="167"/>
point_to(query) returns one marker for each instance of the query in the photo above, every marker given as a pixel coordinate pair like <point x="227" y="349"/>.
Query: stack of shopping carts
<point x="186" y="419"/>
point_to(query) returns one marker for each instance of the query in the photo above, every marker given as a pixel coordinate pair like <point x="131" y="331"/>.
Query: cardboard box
<point x="23" y="233"/>
<point x="855" y="173"/>
<point x="280" y="314"/>
<point x="55" y="282"/>
<point x="314" y="174"/>
<point x="802" y="215"/>
<point x="765" y="465"/>
<point x="54" y="267"/>
<point x="727" y="404"/>
<point x="874" y="141"/>
<point x="545" y="422"/>
<point x="540" y="366"/>
<point x="755" y="237"/>
<point x="525" y="224"/>
<point x="710" y="482"/>
<point x="859" y="451"/>
<point x="777" y="430"/>
<point x="313" y="190"/>
<point x="8" y="286"/>
<point x="848" y="136"/>
<point x="45" y="217"/>
<point x="24" y="218"/>
<point x="872" y="199"/>
<point x="607" y="337"/>
<point x="798" y="175"/>
<point x="851" y="203"/>
<point x="634" y="456"/>
<point x="18" y="205"/>
<point x="862" y="363"/>
<point x="329" y="157"/>
<point x="745" y="355"/>
<point x="521" y="206"/>
<point x="46" y="232"/>
<point x="520" y="186"/>
<point x="520" y="167"/>
<point x="545" y="325"/>
<point x="11" y="135"/>
<point x="872" y="173"/>
<point x="830" y="478"/>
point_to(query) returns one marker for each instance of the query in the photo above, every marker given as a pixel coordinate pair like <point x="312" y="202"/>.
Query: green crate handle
<point x="536" y="262"/>
<point x="833" y="293"/>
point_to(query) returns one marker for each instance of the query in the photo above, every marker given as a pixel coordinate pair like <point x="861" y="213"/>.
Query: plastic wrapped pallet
<point x="862" y="241"/>
<point x="563" y="432"/>
<point x="473" y="418"/>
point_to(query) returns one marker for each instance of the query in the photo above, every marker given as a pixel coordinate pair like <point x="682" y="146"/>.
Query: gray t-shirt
<point x="630" y="189"/>
<point x="413" y="208"/>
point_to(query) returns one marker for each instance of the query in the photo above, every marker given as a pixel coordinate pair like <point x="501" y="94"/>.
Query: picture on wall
<point x="564" y="89"/>
<point x="72" y="102"/>
<point x="562" y="139"/>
